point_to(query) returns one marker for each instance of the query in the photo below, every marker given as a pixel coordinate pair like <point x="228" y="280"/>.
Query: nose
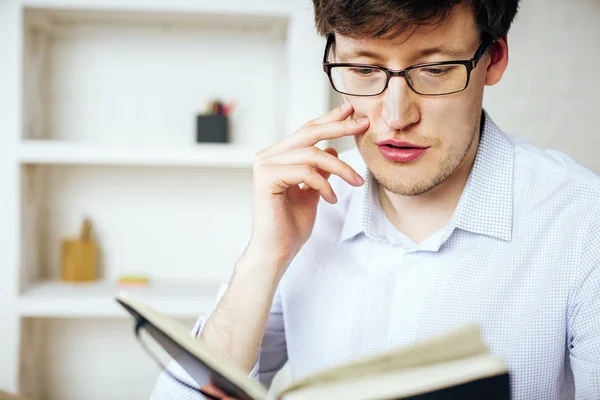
<point x="399" y="109"/>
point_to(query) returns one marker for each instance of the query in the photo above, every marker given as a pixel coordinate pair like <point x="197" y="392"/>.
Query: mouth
<point x="402" y="152"/>
<point x="394" y="144"/>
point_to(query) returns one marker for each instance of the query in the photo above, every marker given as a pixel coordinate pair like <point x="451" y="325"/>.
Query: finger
<point x="324" y="174"/>
<point x="339" y="113"/>
<point x="310" y="135"/>
<point x="319" y="159"/>
<point x="334" y="153"/>
<point x="281" y="177"/>
<point x="212" y="392"/>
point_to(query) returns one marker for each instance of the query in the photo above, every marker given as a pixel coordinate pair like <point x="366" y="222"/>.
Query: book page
<point x="463" y="342"/>
<point x="487" y="371"/>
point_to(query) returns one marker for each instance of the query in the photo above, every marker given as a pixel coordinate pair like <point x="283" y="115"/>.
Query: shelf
<point x="97" y="300"/>
<point x="240" y="7"/>
<point x="73" y="153"/>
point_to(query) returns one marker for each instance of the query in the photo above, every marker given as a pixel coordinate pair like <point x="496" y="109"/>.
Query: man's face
<point x="447" y="126"/>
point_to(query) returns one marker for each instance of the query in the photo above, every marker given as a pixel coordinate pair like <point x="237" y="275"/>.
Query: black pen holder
<point x="212" y="128"/>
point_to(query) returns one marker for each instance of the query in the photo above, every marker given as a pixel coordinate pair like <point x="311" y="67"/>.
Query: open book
<point x="452" y="366"/>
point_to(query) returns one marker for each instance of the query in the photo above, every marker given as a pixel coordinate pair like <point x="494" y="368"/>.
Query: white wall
<point x="550" y="93"/>
<point x="81" y="358"/>
<point x="164" y="77"/>
<point x="181" y="224"/>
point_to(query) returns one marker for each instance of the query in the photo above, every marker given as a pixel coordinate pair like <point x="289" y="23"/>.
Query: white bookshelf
<point x="97" y="119"/>
<point x="97" y="299"/>
<point x="38" y="152"/>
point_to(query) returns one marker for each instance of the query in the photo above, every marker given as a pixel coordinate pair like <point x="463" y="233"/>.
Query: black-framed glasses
<point x="430" y="79"/>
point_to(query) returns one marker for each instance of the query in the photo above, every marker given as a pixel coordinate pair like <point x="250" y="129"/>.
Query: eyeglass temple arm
<point x="482" y="49"/>
<point x="330" y="39"/>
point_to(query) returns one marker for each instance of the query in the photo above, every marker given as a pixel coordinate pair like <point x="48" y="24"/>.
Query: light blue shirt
<point x="520" y="258"/>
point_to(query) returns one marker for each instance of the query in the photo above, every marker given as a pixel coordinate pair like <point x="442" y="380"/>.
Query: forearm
<point x="237" y="325"/>
<point x="282" y="222"/>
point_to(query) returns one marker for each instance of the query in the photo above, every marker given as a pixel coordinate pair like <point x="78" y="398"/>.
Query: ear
<point x="498" y="61"/>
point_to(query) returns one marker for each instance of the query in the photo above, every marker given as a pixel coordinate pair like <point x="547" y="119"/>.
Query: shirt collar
<point x="485" y="206"/>
<point x="364" y="212"/>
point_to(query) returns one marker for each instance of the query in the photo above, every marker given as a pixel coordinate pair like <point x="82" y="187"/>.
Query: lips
<point x="398" y="144"/>
<point x="399" y="151"/>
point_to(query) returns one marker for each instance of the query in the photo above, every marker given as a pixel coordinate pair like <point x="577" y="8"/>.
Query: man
<point x="438" y="219"/>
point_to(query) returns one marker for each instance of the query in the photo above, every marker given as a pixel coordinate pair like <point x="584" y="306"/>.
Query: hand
<point x="284" y="213"/>
<point x="215" y="392"/>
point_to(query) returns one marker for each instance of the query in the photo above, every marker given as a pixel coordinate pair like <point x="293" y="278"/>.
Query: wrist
<point x="266" y="257"/>
<point x="254" y="266"/>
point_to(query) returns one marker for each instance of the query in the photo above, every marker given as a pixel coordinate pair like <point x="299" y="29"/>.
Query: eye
<point x="437" y="71"/>
<point x="363" y="71"/>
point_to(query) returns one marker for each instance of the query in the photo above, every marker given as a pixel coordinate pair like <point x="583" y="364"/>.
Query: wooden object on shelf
<point x="8" y="396"/>
<point x="79" y="256"/>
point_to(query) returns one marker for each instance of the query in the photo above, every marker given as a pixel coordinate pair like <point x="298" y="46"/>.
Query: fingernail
<point x="359" y="179"/>
<point x="335" y="199"/>
<point x="363" y="120"/>
<point x="346" y="106"/>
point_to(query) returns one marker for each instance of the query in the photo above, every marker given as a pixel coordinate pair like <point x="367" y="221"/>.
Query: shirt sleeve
<point x="584" y="319"/>
<point x="272" y="357"/>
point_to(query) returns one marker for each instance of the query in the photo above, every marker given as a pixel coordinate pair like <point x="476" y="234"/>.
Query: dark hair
<point x="389" y="18"/>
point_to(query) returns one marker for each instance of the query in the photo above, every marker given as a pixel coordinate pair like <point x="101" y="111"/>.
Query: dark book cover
<point x="492" y="388"/>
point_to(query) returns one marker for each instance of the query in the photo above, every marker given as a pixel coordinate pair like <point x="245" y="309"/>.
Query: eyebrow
<point x="454" y="52"/>
<point x="359" y="53"/>
<point x="441" y="50"/>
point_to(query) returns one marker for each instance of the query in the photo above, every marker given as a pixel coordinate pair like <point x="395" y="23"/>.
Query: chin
<point x="407" y="184"/>
<point x="407" y="179"/>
